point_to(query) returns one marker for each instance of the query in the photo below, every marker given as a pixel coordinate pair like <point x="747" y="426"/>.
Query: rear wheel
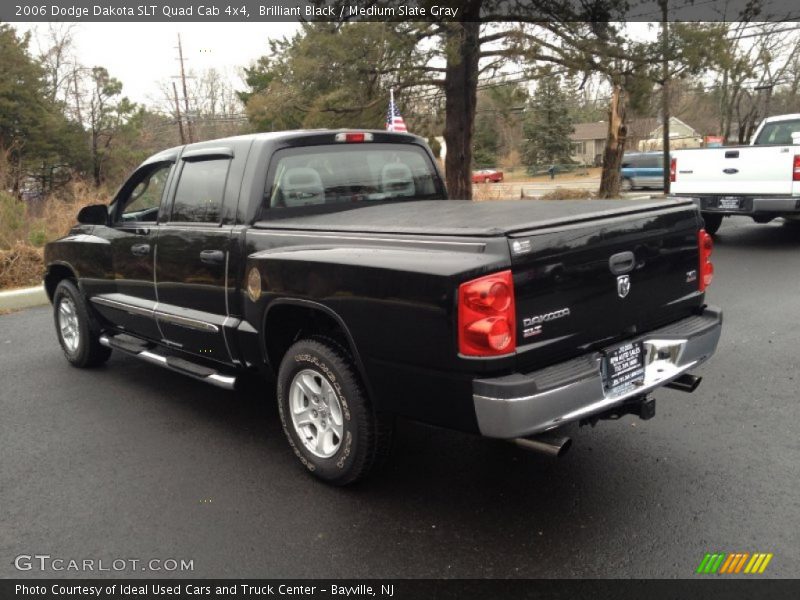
<point x="76" y="331"/>
<point x="326" y="414"/>
<point x="712" y="222"/>
<point x="626" y="185"/>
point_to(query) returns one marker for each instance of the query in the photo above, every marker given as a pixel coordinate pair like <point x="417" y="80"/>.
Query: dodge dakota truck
<point x="333" y="264"/>
<point x="760" y="181"/>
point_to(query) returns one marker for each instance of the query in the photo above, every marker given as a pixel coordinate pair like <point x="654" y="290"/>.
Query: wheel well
<point x="286" y="323"/>
<point x="56" y="274"/>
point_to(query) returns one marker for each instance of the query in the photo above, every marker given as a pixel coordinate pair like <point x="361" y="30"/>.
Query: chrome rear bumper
<point x="523" y="404"/>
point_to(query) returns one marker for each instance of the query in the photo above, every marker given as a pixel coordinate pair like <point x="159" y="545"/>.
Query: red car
<point x="487" y="175"/>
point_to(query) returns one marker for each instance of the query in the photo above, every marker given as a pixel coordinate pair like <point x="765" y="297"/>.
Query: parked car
<point x="333" y="263"/>
<point x="760" y="181"/>
<point x="487" y="176"/>
<point x="642" y="170"/>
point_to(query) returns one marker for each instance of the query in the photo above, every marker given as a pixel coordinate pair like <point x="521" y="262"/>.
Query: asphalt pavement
<point x="133" y="462"/>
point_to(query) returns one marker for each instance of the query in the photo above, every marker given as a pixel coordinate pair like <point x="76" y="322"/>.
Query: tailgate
<point x="746" y="170"/>
<point x="587" y="285"/>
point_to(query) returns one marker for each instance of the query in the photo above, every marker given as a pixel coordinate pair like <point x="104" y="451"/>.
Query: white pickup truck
<point x="761" y="181"/>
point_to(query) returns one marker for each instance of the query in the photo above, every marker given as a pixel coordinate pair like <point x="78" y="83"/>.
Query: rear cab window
<point x="778" y="133"/>
<point x="337" y="175"/>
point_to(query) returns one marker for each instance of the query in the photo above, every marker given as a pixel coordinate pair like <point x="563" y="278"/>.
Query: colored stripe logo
<point x="722" y="563"/>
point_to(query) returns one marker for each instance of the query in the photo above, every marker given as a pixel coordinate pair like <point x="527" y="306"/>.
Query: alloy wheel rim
<point x="316" y="413"/>
<point x="68" y="324"/>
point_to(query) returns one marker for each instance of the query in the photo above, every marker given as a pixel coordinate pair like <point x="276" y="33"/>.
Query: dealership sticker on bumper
<point x="624" y="368"/>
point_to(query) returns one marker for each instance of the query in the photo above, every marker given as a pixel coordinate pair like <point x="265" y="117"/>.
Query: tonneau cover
<point x="461" y="217"/>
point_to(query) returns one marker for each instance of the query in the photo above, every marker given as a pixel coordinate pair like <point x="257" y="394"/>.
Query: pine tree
<point x="548" y="124"/>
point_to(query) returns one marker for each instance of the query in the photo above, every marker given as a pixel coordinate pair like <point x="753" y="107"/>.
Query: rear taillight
<point x="486" y="316"/>
<point x="705" y="246"/>
<point x="796" y="168"/>
<point x="673" y="169"/>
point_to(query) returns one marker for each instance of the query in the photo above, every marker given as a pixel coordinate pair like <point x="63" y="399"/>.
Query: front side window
<point x="347" y="173"/>
<point x="201" y="188"/>
<point x="142" y="204"/>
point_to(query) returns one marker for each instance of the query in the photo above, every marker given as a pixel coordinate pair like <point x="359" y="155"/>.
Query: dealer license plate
<point x="729" y="203"/>
<point x="624" y="368"/>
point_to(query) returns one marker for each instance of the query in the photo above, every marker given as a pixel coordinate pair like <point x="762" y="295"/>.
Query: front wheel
<point x="626" y="185"/>
<point x="326" y="415"/>
<point x="76" y="332"/>
<point x="712" y="222"/>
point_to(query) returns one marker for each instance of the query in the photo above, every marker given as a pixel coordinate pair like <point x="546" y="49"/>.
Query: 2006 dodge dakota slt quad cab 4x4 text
<point x="333" y="261"/>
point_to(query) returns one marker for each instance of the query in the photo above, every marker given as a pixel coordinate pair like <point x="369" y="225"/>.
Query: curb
<point x="23" y="298"/>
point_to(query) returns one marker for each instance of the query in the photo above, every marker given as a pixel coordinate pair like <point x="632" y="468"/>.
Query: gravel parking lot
<point x="130" y="461"/>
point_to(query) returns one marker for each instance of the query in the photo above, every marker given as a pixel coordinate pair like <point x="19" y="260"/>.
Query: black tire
<point x="84" y="350"/>
<point x="712" y="222"/>
<point x="626" y="185"/>
<point x="366" y="436"/>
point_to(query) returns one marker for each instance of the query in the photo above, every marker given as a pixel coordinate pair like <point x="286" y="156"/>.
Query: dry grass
<point x="494" y="191"/>
<point x="26" y="226"/>
<point x="21" y="266"/>
<point x="569" y="194"/>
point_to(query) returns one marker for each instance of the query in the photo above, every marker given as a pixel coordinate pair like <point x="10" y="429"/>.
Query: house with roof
<point x="589" y="139"/>
<point x="646" y="135"/>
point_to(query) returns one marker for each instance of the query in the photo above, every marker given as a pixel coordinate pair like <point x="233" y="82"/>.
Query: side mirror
<point x="96" y="214"/>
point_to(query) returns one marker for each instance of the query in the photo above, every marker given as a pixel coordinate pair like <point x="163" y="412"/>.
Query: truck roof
<point x="275" y="136"/>
<point x="789" y="117"/>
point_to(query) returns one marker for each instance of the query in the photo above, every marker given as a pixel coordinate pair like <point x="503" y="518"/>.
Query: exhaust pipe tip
<point x="551" y="445"/>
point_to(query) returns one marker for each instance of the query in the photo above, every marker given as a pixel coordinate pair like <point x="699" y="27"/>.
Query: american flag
<point x="394" y="120"/>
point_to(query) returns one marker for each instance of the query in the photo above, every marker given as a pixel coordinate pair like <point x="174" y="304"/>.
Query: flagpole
<point x="391" y="107"/>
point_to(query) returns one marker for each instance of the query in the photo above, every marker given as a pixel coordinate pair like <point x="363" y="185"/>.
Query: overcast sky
<point x="142" y="54"/>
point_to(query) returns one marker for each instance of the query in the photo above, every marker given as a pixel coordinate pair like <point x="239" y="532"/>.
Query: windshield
<point x="778" y="132"/>
<point x="335" y="174"/>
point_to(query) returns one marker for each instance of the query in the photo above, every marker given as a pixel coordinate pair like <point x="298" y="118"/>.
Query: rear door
<point x="588" y="285"/>
<point x="193" y="262"/>
<point x="652" y="171"/>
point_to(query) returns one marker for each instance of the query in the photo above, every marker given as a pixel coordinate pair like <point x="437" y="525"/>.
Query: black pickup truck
<point x="333" y="263"/>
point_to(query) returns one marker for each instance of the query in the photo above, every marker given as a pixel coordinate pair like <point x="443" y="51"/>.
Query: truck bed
<point x="459" y="217"/>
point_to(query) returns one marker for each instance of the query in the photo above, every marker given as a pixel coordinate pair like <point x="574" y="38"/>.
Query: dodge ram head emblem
<point x="623" y="285"/>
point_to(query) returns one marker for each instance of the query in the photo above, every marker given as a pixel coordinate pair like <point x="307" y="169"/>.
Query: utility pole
<point x="77" y="96"/>
<point x="665" y="92"/>
<point x="185" y="93"/>
<point x="178" y="112"/>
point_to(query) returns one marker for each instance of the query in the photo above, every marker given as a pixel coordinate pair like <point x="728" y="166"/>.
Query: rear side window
<point x="200" y="192"/>
<point x="652" y="162"/>
<point x="351" y="173"/>
<point x="630" y="162"/>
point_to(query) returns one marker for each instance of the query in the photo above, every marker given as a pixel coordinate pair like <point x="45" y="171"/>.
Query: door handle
<point x="622" y="262"/>
<point x="212" y="257"/>
<point x="140" y="249"/>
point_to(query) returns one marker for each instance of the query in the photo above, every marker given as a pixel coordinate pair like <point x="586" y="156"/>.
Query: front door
<point x="133" y="235"/>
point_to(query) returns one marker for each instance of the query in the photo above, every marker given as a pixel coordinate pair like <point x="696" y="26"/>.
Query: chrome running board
<point x="179" y="365"/>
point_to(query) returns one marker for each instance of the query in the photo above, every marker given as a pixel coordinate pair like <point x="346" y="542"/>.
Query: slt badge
<point x="623" y="285"/>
